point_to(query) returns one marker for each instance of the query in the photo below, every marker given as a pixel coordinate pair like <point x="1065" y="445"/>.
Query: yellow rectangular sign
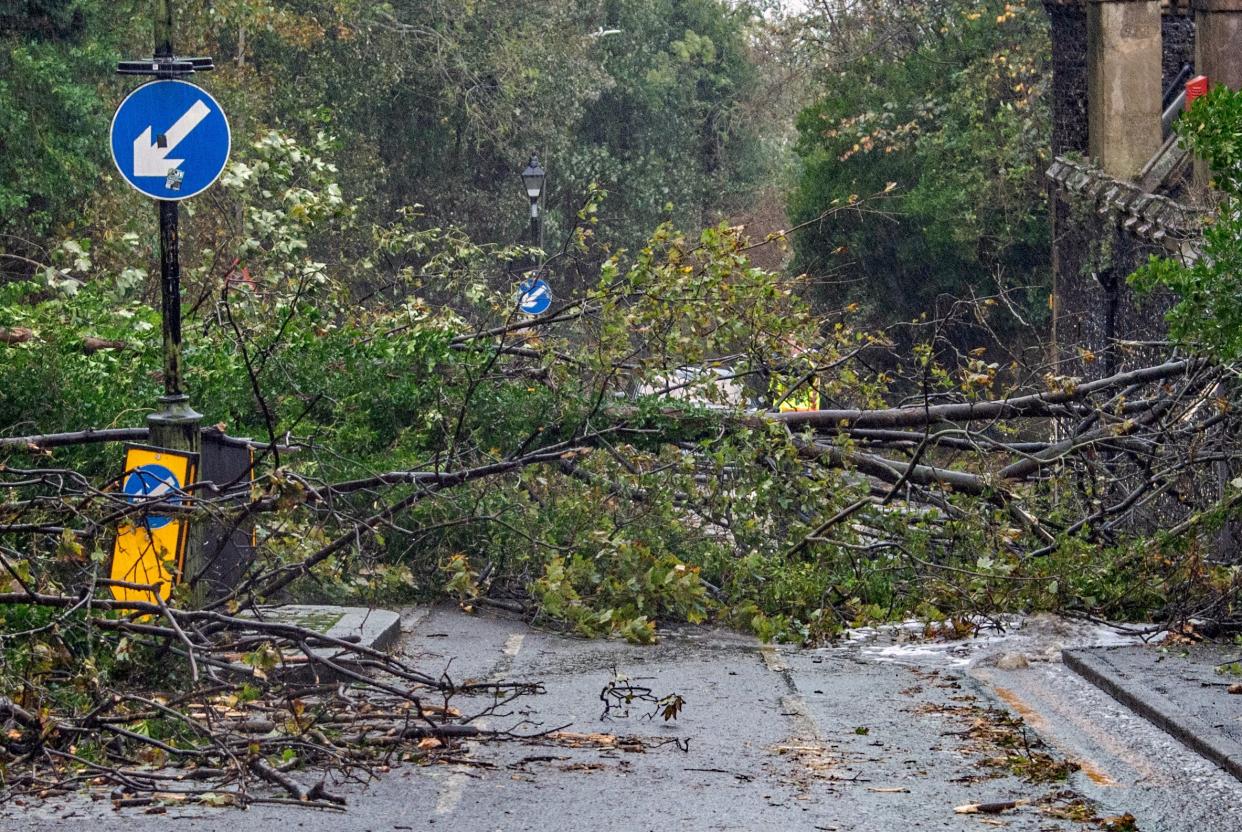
<point x="150" y="545"/>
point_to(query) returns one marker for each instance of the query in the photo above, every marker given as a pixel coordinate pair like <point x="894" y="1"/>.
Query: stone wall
<point x="1094" y="307"/>
<point x="1069" y="77"/>
<point x="1104" y="229"/>
<point x="1178" y="32"/>
<point x="1094" y="250"/>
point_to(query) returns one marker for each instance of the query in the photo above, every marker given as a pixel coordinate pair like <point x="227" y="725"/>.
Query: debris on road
<point x="989" y="808"/>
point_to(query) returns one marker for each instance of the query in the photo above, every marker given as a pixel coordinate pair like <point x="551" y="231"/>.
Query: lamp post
<point x="533" y="178"/>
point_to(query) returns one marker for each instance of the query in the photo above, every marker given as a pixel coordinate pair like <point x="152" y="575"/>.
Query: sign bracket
<point x="165" y="66"/>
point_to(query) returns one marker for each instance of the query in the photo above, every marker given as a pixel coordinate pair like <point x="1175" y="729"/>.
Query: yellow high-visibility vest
<point x="806" y="397"/>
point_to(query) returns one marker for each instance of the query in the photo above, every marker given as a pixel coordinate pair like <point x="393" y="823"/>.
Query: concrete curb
<point x="374" y="628"/>
<point x="1092" y="663"/>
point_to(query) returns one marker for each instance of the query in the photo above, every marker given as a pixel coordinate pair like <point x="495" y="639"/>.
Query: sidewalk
<point x="1179" y="688"/>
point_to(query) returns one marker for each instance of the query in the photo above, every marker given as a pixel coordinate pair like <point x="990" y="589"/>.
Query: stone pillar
<point x="1218" y="41"/>
<point x="1124" y="83"/>
<point x="1218" y="55"/>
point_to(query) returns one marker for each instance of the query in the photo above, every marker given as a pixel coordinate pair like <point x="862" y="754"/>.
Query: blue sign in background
<point x="167" y="125"/>
<point x="534" y="296"/>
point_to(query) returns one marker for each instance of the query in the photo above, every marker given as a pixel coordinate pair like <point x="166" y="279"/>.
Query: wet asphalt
<point x="855" y="737"/>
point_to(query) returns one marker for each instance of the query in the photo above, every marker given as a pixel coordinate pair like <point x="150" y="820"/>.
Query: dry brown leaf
<point x="440" y="709"/>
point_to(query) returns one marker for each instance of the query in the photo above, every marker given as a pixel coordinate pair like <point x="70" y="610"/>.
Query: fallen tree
<point x="604" y="467"/>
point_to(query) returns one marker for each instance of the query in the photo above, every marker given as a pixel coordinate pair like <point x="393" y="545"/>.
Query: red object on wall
<point x="1196" y="87"/>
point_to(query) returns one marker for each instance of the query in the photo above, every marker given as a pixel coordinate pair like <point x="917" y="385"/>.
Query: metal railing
<point x="1174" y="99"/>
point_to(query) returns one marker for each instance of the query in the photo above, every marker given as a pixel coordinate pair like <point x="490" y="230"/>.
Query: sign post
<point x="170" y="141"/>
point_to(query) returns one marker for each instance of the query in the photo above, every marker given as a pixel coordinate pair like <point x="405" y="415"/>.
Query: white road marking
<point x="451" y="791"/>
<point x="795" y="708"/>
<point x="509" y="652"/>
<point x="772" y="659"/>
<point x="454" y="784"/>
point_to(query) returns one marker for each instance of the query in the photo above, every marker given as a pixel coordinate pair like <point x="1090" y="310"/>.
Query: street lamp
<point x="533" y="178"/>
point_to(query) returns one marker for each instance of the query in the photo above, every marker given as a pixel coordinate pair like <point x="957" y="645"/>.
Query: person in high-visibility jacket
<point x="794" y="387"/>
<point x="805" y="396"/>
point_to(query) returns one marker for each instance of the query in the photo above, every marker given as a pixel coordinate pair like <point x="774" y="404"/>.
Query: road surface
<point x="872" y="736"/>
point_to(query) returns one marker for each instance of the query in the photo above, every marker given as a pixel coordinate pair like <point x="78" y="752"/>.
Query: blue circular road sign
<point x="534" y="296"/>
<point x="170" y="140"/>
<point x="153" y="482"/>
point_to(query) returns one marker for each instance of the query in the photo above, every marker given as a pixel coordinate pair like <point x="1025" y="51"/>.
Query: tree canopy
<point x="948" y="101"/>
<point x="428" y="102"/>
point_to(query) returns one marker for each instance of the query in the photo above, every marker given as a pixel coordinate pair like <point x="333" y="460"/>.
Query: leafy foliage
<point x="1207" y="313"/>
<point x="947" y="100"/>
<point x="386" y="344"/>
<point x="55" y="59"/>
<point x="646" y="506"/>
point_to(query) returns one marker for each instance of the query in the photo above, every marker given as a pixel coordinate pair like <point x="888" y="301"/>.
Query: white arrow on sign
<point x="530" y="298"/>
<point x="150" y="158"/>
<point x="160" y="490"/>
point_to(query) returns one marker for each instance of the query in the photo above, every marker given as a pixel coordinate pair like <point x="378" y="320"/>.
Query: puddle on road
<point x="1016" y="639"/>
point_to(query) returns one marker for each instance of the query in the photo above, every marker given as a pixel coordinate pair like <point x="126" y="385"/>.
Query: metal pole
<point x="535" y="231"/>
<point x="543" y="189"/>
<point x="163" y="31"/>
<point x="176" y="426"/>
